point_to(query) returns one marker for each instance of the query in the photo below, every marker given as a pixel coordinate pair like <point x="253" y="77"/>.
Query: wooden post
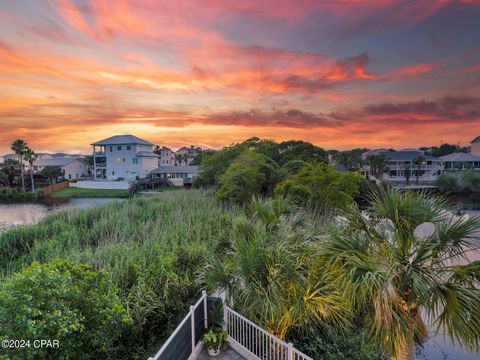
<point x="192" y="316"/>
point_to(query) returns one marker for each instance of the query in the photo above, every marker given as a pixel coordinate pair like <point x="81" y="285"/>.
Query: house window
<point x="119" y="148"/>
<point x="113" y="172"/>
<point x="111" y="148"/>
<point x="135" y="161"/>
<point x="128" y="147"/>
<point x="120" y="160"/>
<point x="69" y="176"/>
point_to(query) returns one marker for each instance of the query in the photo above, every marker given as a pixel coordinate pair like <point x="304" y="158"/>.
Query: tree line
<point x="12" y="171"/>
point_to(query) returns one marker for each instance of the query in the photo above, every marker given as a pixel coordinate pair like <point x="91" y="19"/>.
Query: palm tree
<point x="52" y="173"/>
<point x="408" y="173"/>
<point x="269" y="273"/>
<point x="418" y="161"/>
<point x="378" y="165"/>
<point x="31" y="157"/>
<point x="19" y="147"/>
<point x="401" y="264"/>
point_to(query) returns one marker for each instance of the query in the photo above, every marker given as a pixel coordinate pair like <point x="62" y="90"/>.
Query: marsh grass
<point x="152" y="249"/>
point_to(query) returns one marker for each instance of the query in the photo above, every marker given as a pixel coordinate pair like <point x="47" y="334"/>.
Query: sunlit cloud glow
<point x="340" y="73"/>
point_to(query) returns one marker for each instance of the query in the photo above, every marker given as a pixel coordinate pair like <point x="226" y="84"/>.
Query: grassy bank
<point x="152" y="249"/>
<point x="15" y="194"/>
<point x="72" y="192"/>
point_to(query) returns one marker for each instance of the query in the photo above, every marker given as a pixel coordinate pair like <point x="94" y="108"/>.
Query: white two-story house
<point x="402" y="164"/>
<point x="123" y="157"/>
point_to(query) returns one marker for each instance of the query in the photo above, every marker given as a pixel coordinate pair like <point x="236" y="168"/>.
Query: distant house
<point x="123" y="157"/>
<point x="401" y="163"/>
<point x="189" y="153"/>
<point x="9" y="156"/>
<point x="368" y="153"/>
<point x="167" y="157"/>
<point x="178" y="175"/>
<point x="464" y="161"/>
<point x="71" y="167"/>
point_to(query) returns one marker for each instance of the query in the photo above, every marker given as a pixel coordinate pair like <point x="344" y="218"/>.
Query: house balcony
<point x="246" y="340"/>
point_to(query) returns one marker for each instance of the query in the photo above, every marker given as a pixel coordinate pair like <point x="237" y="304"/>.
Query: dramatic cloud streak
<point x="338" y="73"/>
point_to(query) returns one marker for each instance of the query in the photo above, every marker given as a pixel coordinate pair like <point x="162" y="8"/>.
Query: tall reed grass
<point x="152" y="249"/>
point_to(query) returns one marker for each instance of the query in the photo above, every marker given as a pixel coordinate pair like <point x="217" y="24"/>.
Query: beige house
<point x="167" y="157"/>
<point x="188" y="154"/>
<point x="71" y="167"/>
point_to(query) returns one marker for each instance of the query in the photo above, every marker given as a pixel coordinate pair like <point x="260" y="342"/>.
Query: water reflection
<point x="26" y="213"/>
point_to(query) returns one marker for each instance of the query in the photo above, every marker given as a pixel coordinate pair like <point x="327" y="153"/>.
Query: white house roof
<point x="175" y="169"/>
<point x="460" y="157"/>
<point x="146" y="154"/>
<point x="57" y="161"/>
<point x="122" y="140"/>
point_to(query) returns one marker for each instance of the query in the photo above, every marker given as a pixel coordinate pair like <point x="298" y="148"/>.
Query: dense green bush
<point x="459" y="182"/>
<point x="214" y="164"/>
<point x="66" y="302"/>
<point x="320" y="185"/>
<point x="252" y="173"/>
<point x="331" y="343"/>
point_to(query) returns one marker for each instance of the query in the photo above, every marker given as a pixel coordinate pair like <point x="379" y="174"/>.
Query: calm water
<point x="15" y="214"/>
<point x="26" y="213"/>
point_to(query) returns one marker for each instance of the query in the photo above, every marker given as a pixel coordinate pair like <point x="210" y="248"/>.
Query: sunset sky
<point x="340" y="74"/>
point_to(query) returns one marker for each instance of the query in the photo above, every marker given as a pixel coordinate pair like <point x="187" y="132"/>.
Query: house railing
<point x="185" y="340"/>
<point x="256" y="341"/>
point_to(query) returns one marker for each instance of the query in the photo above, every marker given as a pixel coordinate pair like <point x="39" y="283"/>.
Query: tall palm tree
<point x="269" y="272"/>
<point x="418" y="162"/>
<point x="31" y="157"/>
<point x="19" y="147"/>
<point x="407" y="172"/>
<point x="404" y="262"/>
<point x="378" y="165"/>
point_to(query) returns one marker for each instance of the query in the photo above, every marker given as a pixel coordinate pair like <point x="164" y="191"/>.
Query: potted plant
<point x="213" y="340"/>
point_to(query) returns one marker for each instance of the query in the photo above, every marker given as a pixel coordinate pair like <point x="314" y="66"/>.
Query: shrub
<point x="447" y="182"/>
<point x="320" y="185"/>
<point x="66" y="302"/>
<point x="459" y="182"/>
<point x="250" y="174"/>
<point x="331" y="343"/>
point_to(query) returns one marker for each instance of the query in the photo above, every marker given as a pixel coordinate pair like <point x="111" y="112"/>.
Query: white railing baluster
<point x="257" y="341"/>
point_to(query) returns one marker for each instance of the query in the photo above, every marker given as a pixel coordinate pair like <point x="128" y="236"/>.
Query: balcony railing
<point x="185" y="340"/>
<point x="244" y="336"/>
<point x="257" y="341"/>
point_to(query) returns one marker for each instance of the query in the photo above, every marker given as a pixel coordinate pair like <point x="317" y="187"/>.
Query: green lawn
<point x="89" y="193"/>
